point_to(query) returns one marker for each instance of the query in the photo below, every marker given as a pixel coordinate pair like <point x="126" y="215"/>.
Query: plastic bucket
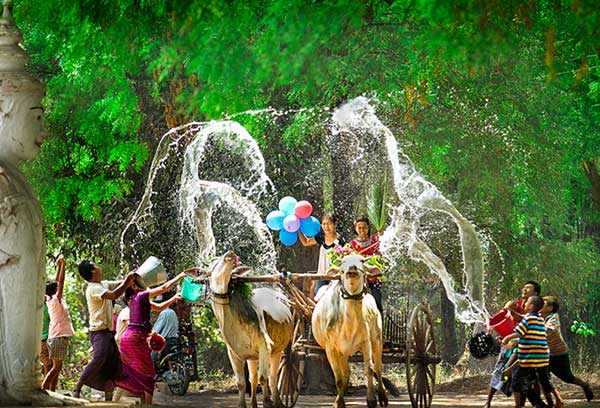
<point x="502" y="322"/>
<point x="151" y="273"/>
<point x="191" y="291"/>
<point x="156" y="342"/>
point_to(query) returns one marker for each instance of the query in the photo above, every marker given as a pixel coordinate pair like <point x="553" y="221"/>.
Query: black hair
<point x="537" y="302"/>
<point x="167" y="295"/>
<point x="86" y="268"/>
<point x="554" y="302"/>
<point x="365" y="219"/>
<point x="51" y="287"/>
<point x="129" y="292"/>
<point x="330" y="216"/>
<point x="536" y="286"/>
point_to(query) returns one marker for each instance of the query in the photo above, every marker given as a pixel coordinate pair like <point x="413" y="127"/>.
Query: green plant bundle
<point x="582" y="328"/>
<point x="377" y="204"/>
<point x="337" y="253"/>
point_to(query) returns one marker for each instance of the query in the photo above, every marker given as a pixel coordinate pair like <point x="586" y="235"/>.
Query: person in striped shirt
<point x="560" y="365"/>
<point x="533" y="355"/>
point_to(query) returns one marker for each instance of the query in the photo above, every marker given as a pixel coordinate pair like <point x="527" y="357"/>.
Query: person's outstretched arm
<point x="118" y="291"/>
<point x="165" y="287"/>
<point x="306" y="241"/>
<point x="60" y="276"/>
<point x="159" y="307"/>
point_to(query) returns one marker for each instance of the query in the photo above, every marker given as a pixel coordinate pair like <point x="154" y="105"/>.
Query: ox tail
<point x="262" y="323"/>
<point x="387" y="383"/>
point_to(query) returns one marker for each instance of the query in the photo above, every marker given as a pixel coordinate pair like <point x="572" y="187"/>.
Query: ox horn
<point x="196" y="272"/>
<point x="241" y="270"/>
<point x="371" y="270"/>
<point x="333" y="271"/>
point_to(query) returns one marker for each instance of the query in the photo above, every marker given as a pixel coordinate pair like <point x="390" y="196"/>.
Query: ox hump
<point x="272" y="303"/>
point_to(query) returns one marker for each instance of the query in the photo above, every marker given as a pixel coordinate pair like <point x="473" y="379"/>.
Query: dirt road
<point x="457" y="400"/>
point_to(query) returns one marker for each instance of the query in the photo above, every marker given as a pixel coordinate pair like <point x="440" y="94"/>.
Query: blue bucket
<point x="191" y="291"/>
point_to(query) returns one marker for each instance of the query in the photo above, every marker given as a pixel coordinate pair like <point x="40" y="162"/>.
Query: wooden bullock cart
<point x="409" y="339"/>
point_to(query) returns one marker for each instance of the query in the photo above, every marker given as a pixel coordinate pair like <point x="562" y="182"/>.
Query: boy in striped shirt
<point x="533" y="355"/>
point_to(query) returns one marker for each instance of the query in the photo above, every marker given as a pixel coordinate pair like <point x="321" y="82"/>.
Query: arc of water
<point x="199" y="198"/>
<point x="144" y="208"/>
<point x="417" y="195"/>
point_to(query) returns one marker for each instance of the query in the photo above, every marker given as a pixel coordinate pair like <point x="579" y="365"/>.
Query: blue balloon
<point x="287" y="205"/>
<point x="288" y="238"/>
<point x="275" y="220"/>
<point x="310" y="226"/>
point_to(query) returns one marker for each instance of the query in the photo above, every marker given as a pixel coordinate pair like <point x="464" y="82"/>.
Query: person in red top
<point x="368" y="245"/>
<point x="517" y="308"/>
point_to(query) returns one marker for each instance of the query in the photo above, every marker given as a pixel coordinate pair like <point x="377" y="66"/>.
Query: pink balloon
<point x="291" y="223"/>
<point x="303" y="209"/>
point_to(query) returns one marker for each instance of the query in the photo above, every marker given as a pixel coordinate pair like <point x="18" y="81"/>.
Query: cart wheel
<point x="420" y="370"/>
<point x="291" y="368"/>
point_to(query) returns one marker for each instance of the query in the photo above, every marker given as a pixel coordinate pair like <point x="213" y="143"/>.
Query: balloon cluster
<point x="293" y="216"/>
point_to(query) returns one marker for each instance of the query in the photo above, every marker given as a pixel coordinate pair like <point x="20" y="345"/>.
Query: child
<point x="367" y="245"/>
<point x="560" y="365"/>
<point x="533" y="355"/>
<point x="327" y="239"/>
<point x="60" y="329"/>
<point x="122" y="318"/>
<point x="516" y="308"/>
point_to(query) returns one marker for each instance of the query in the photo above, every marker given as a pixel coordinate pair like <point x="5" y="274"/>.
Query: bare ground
<point x="467" y="392"/>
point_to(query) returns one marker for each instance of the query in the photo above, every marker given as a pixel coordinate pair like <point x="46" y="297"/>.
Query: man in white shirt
<point x="105" y="366"/>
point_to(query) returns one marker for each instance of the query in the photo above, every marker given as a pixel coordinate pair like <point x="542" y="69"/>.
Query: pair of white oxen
<point x="258" y="328"/>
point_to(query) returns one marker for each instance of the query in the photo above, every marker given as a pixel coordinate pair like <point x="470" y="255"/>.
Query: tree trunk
<point x="590" y="170"/>
<point x="449" y="348"/>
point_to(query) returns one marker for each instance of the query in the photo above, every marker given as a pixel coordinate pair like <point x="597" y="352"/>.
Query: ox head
<point x="221" y="270"/>
<point x="353" y="273"/>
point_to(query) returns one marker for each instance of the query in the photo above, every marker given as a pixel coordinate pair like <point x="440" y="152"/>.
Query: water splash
<point x="417" y="197"/>
<point x="199" y="198"/>
<point x="232" y="199"/>
<point x="144" y="209"/>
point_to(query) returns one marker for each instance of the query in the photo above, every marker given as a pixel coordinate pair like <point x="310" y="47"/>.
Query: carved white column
<point x="22" y="241"/>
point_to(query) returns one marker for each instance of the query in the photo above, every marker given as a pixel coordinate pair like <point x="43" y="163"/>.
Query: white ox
<point x="255" y="328"/>
<point x="345" y="321"/>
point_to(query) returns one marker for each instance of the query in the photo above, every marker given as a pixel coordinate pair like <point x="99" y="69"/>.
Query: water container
<point x="191" y="291"/>
<point x="156" y="342"/>
<point x="502" y="322"/>
<point x="151" y="273"/>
